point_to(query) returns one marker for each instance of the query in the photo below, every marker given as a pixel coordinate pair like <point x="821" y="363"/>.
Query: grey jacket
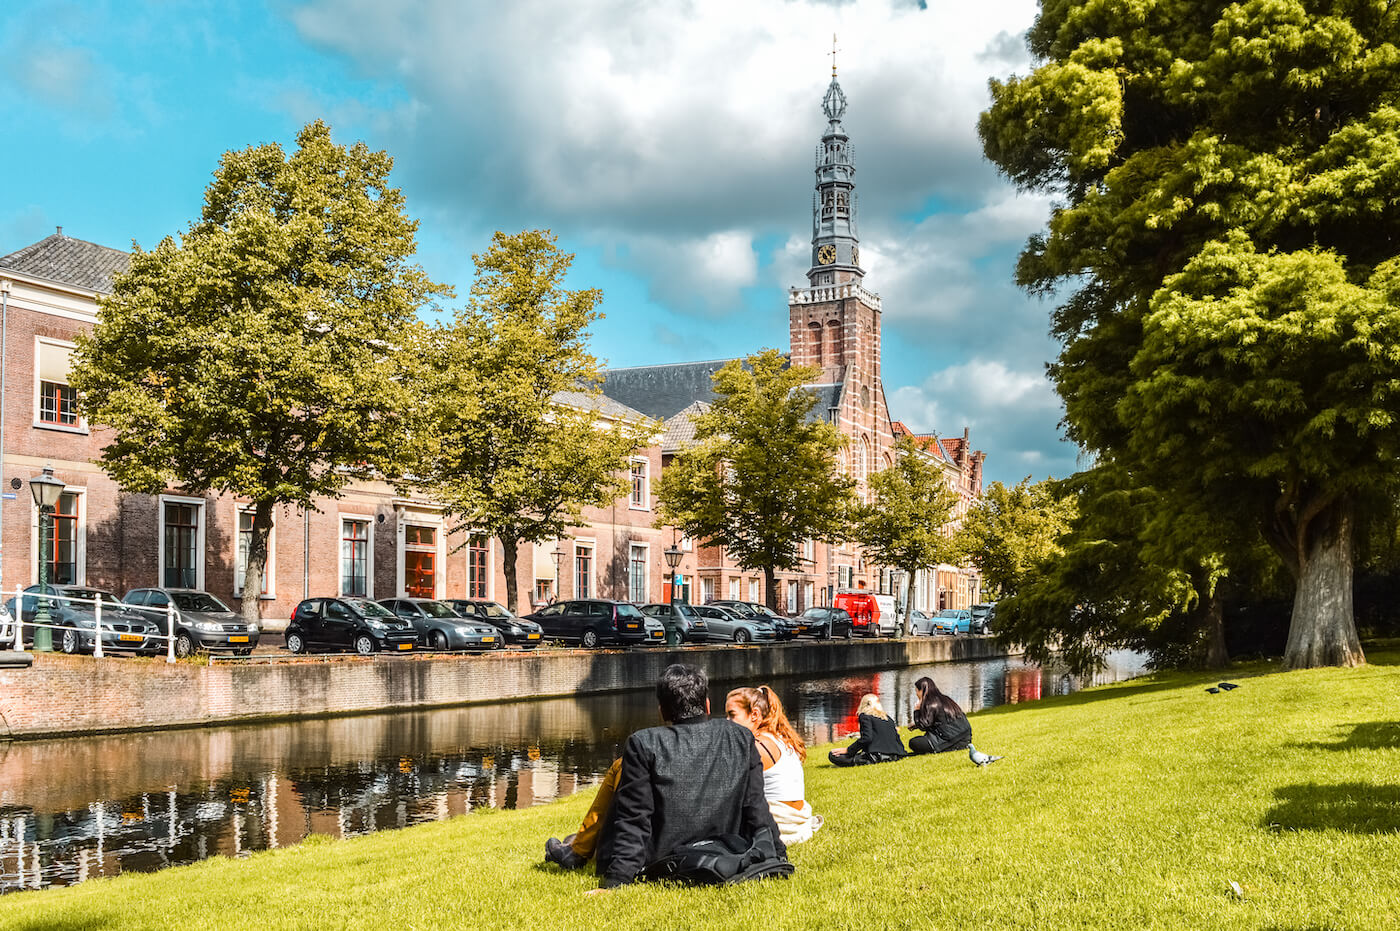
<point x="681" y="783"/>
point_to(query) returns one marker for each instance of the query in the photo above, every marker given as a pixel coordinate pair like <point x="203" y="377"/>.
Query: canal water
<point x="96" y="806"/>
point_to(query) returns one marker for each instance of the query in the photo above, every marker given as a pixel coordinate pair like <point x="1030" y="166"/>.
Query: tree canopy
<point x="258" y="354"/>
<point x="762" y="476"/>
<point x="1009" y="532"/>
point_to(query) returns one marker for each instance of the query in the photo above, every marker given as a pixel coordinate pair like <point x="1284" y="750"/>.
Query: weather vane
<point x="833" y="54"/>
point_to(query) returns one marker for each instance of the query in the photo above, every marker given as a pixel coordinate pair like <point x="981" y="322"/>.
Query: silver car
<point x="728" y="624"/>
<point x="202" y="622"/>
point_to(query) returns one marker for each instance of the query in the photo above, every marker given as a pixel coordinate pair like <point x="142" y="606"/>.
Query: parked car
<point x="348" y="623"/>
<point x="873" y="615"/>
<point x="594" y="622"/>
<point x="202" y="622"/>
<point x="441" y="628"/>
<point x="826" y="621"/>
<point x="683" y="618"/>
<point x="920" y="624"/>
<point x="512" y="629"/>
<point x="76" y="621"/>
<point x="983" y="616"/>
<point x="786" y="627"/>
<point x="959" y="618"/>
<point x="728" y="624"/>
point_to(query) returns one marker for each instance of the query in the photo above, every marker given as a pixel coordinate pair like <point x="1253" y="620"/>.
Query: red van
<point x="872" y="615"/>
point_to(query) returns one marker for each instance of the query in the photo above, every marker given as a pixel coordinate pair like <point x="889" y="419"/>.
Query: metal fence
<point x="107" y="620"/>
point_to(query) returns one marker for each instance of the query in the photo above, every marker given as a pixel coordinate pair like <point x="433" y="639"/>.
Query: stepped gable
<point x="65" y="260"/>
<point x="662" y="391"/>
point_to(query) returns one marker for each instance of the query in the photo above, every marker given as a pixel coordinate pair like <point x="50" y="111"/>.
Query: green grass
<point x="1131" y="806"/>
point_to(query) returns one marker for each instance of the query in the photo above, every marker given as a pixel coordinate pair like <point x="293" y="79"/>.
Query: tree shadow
<point x="1372" y="735"/>
<point x="1355" y="807"/>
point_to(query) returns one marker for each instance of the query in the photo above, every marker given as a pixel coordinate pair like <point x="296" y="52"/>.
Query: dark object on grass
<point x="1227" y="686"/>
<point x="720" y="860"/>
<point x="1213" y="690"/>
<point x="556" y="851"/>
<point x="978" y="757"/>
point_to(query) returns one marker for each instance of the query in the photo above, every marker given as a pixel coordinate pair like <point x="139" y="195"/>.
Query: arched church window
<point x="827" y="205"/>
<point x="842" y="204"/>
<point x="865" y="396"/>
<point x="833" y="342"/>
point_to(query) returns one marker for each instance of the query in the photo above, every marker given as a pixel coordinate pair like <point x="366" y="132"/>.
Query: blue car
<point x="959" y="619"/>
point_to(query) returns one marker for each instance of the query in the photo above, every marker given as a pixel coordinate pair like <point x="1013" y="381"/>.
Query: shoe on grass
<point x="556" y="851"/>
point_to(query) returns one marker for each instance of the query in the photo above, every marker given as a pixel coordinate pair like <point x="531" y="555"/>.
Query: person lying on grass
<point x="691" y="779"/>
<point x="943" y="723"/>
<point x="878" y="741"/>
<point x="782" y="751"/>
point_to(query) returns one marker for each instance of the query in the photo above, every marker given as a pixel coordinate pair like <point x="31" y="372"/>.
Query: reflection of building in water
<point x="1023" y="683"/>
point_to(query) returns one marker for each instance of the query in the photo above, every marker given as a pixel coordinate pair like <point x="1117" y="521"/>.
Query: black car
<point x="825" y="622"/>
<point x="787" y="627"/>
<point x="442" y="628"/>
<point x="73" y="614"/>
<point x="594" y="622"/>
<point x="202" y="622"/>
<point x="511" y="628"/>
<point x="353" y="623"/>
<point x="679" y="619"/>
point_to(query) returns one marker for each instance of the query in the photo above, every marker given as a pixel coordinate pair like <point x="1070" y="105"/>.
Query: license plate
<point x="488" y="639"/>
<point x="532" y="637"/>
<point x="657" y="635"/>
<point x="631" y="626"/>
<point x="130" y="637"/>
<point x="405" y="646"/>
<point x="237" y="639"/>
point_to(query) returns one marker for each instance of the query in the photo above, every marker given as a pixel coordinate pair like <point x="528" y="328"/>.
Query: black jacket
<point x="877" y="736"/>
<point x="947" y="727"/>
<point x="681" y="783"/>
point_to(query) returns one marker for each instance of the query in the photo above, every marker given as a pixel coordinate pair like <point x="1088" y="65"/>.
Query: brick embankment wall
<point x="81" y="695"/>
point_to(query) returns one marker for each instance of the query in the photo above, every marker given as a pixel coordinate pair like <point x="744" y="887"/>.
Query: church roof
<point x="65" y="260"/>
<point x="680" y="428"/>
<point x="597" y="403"/>
<point x="662" y="391"/>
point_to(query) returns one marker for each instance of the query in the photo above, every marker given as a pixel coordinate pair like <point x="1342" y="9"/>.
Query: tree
<point x="762" y="477"/>
<point x="511" y="438"/>
<point x="1009" y="531"/>
<point x="258" y="355"/>
<point x="906" y="525"/>
<point x="1181" y="138"/>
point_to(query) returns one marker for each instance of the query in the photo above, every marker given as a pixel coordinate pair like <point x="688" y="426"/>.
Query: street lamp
<point x="46" y="490"/>
<point x="558" y="555"/>
<point x="673" y="556"/>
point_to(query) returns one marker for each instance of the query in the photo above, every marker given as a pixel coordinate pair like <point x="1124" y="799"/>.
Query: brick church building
<point x="374" y="542"/>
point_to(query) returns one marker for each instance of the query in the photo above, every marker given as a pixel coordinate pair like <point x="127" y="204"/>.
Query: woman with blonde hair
<point x="782" y="751"/>
<point x="878" y="741"/>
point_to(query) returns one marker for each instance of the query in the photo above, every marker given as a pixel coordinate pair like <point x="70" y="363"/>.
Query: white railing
<point x="12" y="626"/>
<point x="832" y="292"/>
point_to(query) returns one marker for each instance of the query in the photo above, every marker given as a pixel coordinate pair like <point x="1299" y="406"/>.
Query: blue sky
<point x="669" y="145"/>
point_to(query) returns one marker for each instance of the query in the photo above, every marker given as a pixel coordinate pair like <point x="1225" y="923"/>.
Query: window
<point x="687" y="544"/>
<point x="637" y="573"/>
<point x="181" y="533"/>
<point x="707" y="591"/>
<point x="734" y="590"/>
<point x="792" y="598"/>
<point x="639" y="498"/>
<point x="809" y="593"/>
<point x="245" y="541"/>
<point x="420" y="561"/>
<point x="809" y="550"/>
<point x="63" y="541"/>
<point x="354" y="558"/>
<point x="478" y="563"/>
<point x="754" y="591"/>
<point x="57" y="402"/>
<point x="583" y="571"/>
<point x="843" y="576"/>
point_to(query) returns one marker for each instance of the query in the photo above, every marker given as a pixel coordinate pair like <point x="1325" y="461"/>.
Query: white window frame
<point x="269" y="570"/>
<point x="809" y="594"/>
<point x="707" y="590"/>
<point x="79" y="535"/>
<point x="646" y="571"/>
<point x="734" y="589"/>
<point x="82" y="425"/>
<point x="199" y="537"/>
<point x="592" y="547"/>
<point x="791" y="597"/>
<point x="341" y="518"/>
<point x="490" y="564"/>
<point x="687" y="544"/>
<point x="420" y="519"/>
<point x="646" y="483"/>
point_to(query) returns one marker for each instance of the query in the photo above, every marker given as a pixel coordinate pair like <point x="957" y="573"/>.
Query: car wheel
<point x="590" y="639"/>
<point x="294" y="644"/>
<point x="741" y="636"/>
<point x="824" y="633"/>
<point x="850" y="632"/>
<point x="184" y="645"/>
<point x="247" y="652"/>
<point x="438" y="640"/>
<point x="364" y="644"/>
<point x="70" y="643"/>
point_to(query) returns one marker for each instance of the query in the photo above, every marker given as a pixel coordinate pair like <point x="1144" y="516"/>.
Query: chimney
<point x="60" y="231"/>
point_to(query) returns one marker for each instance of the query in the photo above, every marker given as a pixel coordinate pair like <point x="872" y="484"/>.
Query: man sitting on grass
<point x="690" y="779"/>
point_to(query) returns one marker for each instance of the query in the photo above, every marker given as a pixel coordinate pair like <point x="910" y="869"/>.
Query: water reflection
<point x="73" y="809"/>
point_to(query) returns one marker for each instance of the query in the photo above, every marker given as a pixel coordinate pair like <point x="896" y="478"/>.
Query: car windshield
<point x="628" y="611"/>
<point x="197" y="601"/>
<point x="369" y="608"/>
<point x="436" y="609"/>
<point x="764" y="609"/>
<point x="814" y="612"/>
<point x="491" y="609"/>
<point x="89" y="594"/>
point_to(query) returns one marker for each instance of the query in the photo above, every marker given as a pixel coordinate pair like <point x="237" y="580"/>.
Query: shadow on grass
<point x="1373" y="735"/>
<point x="67" y="924"/>
<point x="1355" y="807"/>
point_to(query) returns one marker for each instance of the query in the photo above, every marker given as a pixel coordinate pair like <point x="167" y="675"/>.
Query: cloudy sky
<point x="668" y="143"/>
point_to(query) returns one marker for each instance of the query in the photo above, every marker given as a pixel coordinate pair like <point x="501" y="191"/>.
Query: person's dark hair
<point x="933" y="706"/>
<point x="682" y="692"/>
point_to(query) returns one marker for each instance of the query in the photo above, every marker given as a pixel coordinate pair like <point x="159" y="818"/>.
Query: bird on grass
<point x="978" y="757"/>
<point x="1213" y="690"/>
<point x="1227" y="686"/>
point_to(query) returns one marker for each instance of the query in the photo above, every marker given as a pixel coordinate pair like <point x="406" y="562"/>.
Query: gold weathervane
<point x="833" y="54"/>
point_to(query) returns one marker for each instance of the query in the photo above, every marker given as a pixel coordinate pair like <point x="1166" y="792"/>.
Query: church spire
<point x="835" y="241"/>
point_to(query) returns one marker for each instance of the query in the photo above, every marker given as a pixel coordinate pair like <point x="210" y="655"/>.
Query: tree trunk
<point x="905" y="625"/>
<point x="257" y="563"/>
<point x="509" y="553"/>
<point x="1217" y="656"/>
<point x="770" y="588"/>
<point x="1322" y="631"/>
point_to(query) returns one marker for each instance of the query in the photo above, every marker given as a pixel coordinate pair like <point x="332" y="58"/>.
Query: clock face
<point x="826" y="254"/>
<point x="855" y="255"/>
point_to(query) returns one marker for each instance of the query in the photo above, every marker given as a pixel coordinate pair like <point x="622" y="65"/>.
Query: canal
<point x="82" y="807"/>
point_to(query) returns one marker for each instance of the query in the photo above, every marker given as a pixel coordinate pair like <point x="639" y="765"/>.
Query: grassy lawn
<point x="1129" y="806"/>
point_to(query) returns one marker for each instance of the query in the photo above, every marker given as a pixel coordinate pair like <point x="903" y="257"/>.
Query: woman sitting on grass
<point x="782" y="751"/>
<point x="943" y="723"/>
<point x="878" y="741"/>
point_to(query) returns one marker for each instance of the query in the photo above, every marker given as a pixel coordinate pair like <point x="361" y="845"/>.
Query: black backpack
<point x="718" y="861"/>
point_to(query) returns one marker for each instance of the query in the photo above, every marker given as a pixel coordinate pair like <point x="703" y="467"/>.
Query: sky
<point x="668" y="144"/>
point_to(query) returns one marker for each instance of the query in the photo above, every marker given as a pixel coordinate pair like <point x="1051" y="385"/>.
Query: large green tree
<point x="258" y="354"/>
<point x="1184" y="138"/>
<point x="512" y="436"/>
<point x="906" y="525"/>
<point x="1008" y="532"/>
<point x="762" y="476"/>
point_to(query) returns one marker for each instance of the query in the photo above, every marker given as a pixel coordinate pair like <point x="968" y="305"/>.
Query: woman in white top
<point x="782" y="751"/>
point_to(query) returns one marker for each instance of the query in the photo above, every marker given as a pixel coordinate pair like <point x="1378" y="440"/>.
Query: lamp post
<point x="673" y="556"/>
<point x="46" y="490"/>
<point x="558" y="555"/>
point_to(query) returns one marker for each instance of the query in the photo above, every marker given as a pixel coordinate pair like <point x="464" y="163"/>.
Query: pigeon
<point x="1227" y="686"/>
<point x="978" y="757"/>
<point x="1213" y="690"/>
